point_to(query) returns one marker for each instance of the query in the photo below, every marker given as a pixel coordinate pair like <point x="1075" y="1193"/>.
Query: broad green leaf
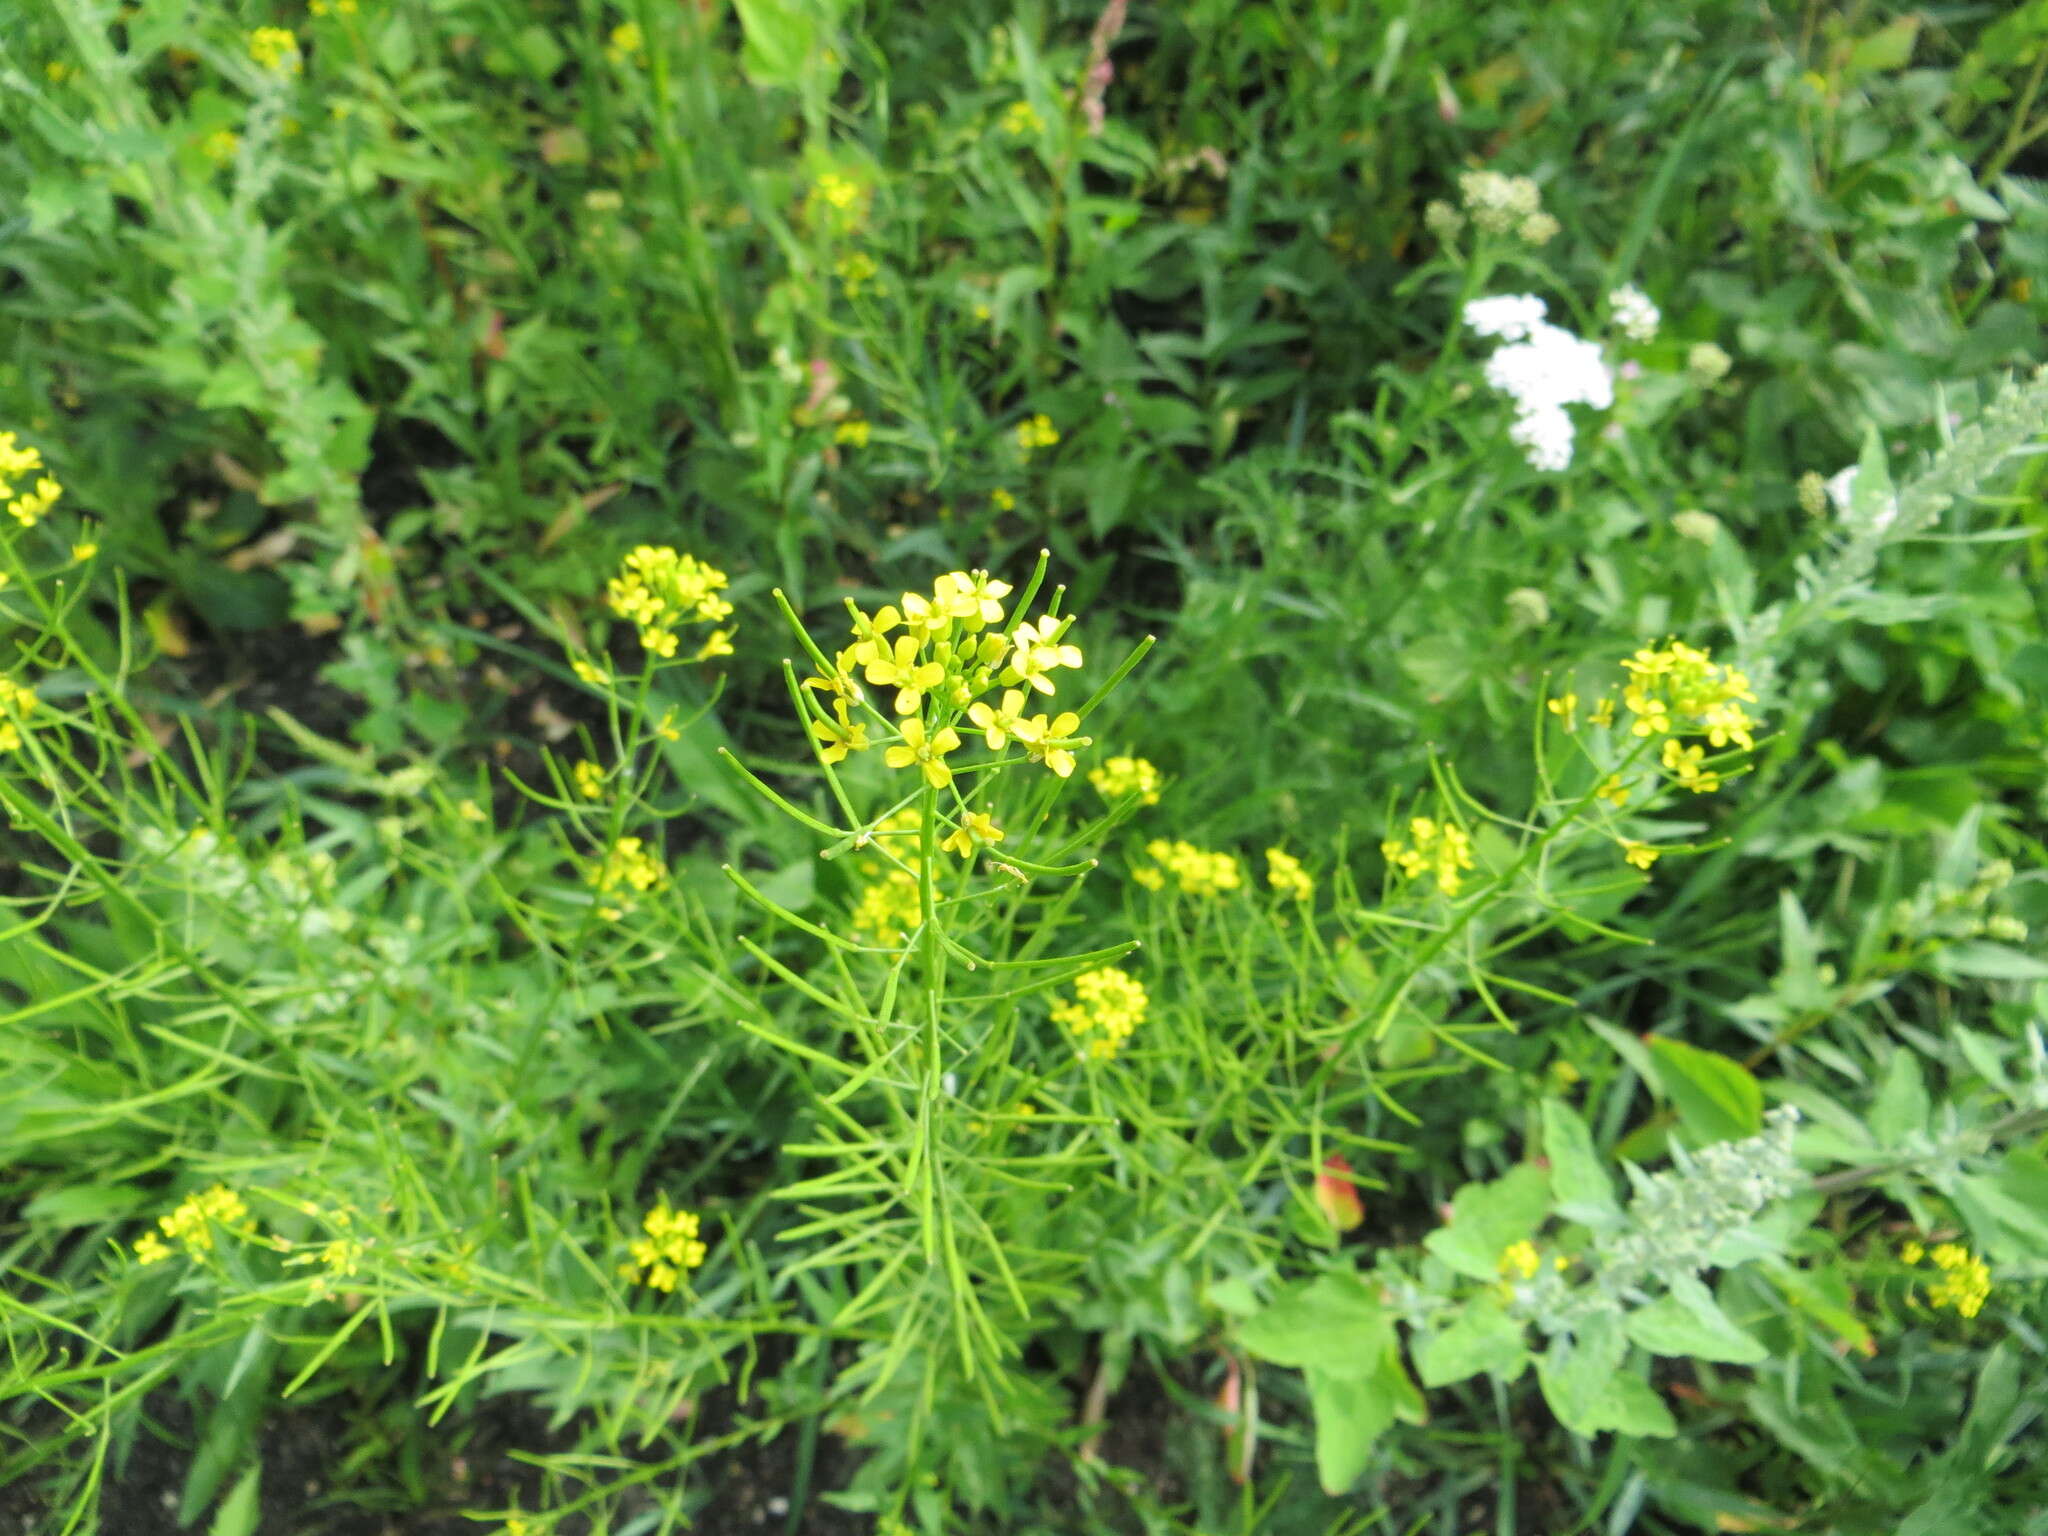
<point x="1902" y="1107"/>
<point x="1589" y="1391"/>
<point x="1351" y="1413"/>
<point x="1578" y="1179"/>
<point x="1484" y="1339"/>
<point x="1334" y="1323"/>
<point x="781" y="36"/>
<point x="1232" y="1294"/>
<point x="1716" y="1098"/>
<point x="1687" y="1324"/>
<point x="1485" y="1218"/>
<point x="1890" y="47"/>
<point x="1982" y="961"/>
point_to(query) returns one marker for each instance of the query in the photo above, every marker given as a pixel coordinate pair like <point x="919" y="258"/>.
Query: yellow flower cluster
<point x="1436" y="848"/>
<point x="1036" y="432"/>
<point x="16" y="704"/>
<point x="191" y="1224"/>
<point x="1520" y="1259"/>
<point x="629" y="869"/>
<point x="1106" y="1009"/>
<point x="1122" y="776"/>
<point x="331" y="7"/>
<point x="659" y="589"/>
<point x="889" y="907"/>
<point x="1285" y="874"/>
<point x="1020" y="119"/>
<point x="836" y="194"/>
<point x="1196" y="871"/>
<point x="588" y="779"/>
<point x="669" y="1250"/>
<point x="276" y="49"/>
<point x="940" y="654"/>
<point x="1679" y="691"/>
<point x="1965" y="1282"/>
<point x="17" y="463"/>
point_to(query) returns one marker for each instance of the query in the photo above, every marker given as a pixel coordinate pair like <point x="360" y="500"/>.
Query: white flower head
<point x="1545" y="437"/>
<point x="1508" y="316"/>
<point x="1543" y="368"/>
<point x="1633" y="313"/>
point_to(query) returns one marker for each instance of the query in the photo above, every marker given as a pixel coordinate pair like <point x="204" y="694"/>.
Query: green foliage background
<point x="366" y="375"/>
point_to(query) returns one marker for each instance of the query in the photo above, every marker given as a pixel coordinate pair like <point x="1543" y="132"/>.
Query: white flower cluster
<point x="1543" y="368"/>
<point x="1634" y="314"/>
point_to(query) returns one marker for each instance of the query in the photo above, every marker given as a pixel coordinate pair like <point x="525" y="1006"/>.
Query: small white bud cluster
<point x="1634" y="315"/>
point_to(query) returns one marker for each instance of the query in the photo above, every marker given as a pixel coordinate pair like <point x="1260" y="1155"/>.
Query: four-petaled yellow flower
<point x="840" y="736"/>
<point x="999" y="725"/>
<point x="928" y="752"/>
<point x="900" y="668"/>
<point x="1642" y="855"/>
<point x="1052" y="742"/>
<point x="854" y="432"/>
<point x="1566" y="707"/>
<point x="976" y="830"/>
<point x="1038" y="651"/>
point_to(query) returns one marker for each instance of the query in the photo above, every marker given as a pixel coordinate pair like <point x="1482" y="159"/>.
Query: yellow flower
<point x="1603" y="712"/>
<point x="151" y="1249"/>
<point x="999" y="725"/>
<point x="1613" y="791"/>
<point x="1038" y="432"/>
<point x="836" y="739"/>
<point x="670" y="1248"/>
<point x="1965" y="1283"/>
<point x="1020" y="119"/>
<point x="1285" y="874"/>
<point x="1440" y="850"/>
<point x="331" y="7"/>
<point x="469" y="810"/>
<point x="192" y="1223"/>
<point x="627" y="42"/>
<point x="901" y="669"/>
<point x="1566" y="708"/>
<point x="588" y="779"/>
<point x="658" y="589"/>
<point x="590" y="673"/>
<point x="1197" y="871"/>
<point x="1684" y="764"/>
<point x="1051" y="742"/>
<point x="1122" y="776"/>
<point x="927" y="752"/>
<point x="1038" y="651"/>
<point x="973" y="597"/>
<point x="1002" y="500"/>
<point x="1911" y="1251"/>
<point x="1106" y="1009"/>
<point x="976" y="830"/>
<point x="889" y="908"/>
<point x="84" y="550"/>
<point x="276" y="49"/>
<point x="628" y="869"/>
<point x="1642" y="855"/>
<point x="853" y="432"/>
<point x="17" y="703"/>
<point x="1520" y="1259"/>
<point x="717" y="643"/>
